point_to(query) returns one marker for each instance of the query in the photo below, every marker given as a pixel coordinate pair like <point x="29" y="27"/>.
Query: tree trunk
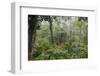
<point x="51" y="31"/>
<point x="30" y="35"/>
<point x="80" y="33"/>
<point x="32" y="22"/>
<point x="70" y="32"/>
<point x="34" y="38"/>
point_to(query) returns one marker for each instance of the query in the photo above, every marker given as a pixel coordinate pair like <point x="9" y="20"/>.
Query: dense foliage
<point x="57" y="37"/>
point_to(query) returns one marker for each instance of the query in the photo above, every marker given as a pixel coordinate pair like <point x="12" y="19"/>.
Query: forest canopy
<point x="57" y="37"/>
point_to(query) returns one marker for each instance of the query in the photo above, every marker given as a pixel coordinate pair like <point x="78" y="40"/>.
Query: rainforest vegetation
<point x="57" y="37"/>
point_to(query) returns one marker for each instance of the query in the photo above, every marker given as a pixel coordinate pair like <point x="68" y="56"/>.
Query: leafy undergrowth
<point x="52" y="52"/>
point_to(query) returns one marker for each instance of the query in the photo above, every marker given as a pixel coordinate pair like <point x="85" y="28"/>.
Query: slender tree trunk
<point x="51" y="31"/>
<point x="80" y="33"/>
<point x="70" y="30"/>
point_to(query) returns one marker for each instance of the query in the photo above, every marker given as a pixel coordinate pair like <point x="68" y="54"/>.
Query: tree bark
<point x="51" y="31"/>
<point x="32" y="22"/>
<point x="30" y="35"/>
